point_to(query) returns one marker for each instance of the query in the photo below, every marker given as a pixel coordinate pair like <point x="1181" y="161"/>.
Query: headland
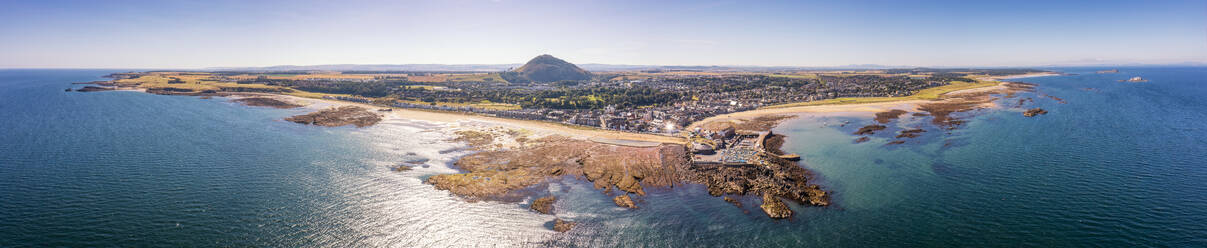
<point x="647" y="130"/>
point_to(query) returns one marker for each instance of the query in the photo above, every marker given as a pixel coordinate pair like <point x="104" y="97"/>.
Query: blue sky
<point x="198" y="34"/>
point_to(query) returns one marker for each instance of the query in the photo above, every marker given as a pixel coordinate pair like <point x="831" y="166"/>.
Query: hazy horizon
<point x="200" y="35"/>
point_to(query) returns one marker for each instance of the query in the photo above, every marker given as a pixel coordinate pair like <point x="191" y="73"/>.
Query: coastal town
<point x="668" y="113"/>
<point x="663" y="102"/>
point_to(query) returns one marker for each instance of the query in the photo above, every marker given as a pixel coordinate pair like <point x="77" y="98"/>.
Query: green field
<point x="925" y="94"/>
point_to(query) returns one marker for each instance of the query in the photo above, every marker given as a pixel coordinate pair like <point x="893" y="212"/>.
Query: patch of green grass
<point x="925" y="94"/>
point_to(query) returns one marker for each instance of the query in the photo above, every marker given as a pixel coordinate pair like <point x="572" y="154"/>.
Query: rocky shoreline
<point x="520" y="171"/>
<point x="951" y="110"/>
<point x="338" y="116"/>
<point x="266" y="102"/>
<point x="773" y="178"/>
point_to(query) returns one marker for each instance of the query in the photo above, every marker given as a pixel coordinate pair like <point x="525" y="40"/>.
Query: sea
<point x="1116" y="165"/>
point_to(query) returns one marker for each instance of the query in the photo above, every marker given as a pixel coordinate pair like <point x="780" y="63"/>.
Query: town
<point x="661" y="101"/>
<point x="661" y="105"/>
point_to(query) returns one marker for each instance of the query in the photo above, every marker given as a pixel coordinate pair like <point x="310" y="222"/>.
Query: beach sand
<point x="535" y="129"/>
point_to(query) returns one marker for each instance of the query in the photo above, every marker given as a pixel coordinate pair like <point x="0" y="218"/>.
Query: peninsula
<point x="622" y="131"/>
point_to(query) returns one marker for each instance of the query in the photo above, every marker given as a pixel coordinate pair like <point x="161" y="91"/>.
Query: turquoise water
<point x="1121" y="164"/>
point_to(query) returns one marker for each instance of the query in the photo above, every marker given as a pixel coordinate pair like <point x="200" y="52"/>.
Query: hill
<point x="546" y="68"/>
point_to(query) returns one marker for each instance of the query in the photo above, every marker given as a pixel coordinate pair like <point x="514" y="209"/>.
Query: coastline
<point x="525" y="155"/>
<point x="859" y="109"/>
<point x="1026" y="75"/>
<point x="537" y="128"/>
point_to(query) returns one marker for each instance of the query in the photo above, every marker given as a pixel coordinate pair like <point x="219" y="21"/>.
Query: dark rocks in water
<point x="775" y="208"/>
<point x="888" y="116"/>
<point x="624" y="201"/>
<point x="1057" y="99"/>
<point x="563" y="226"/>
<point x="1033" y="112"/>
<point x="944" y="111"/>
<point x="543" y="205"/>
<point x="94" y="89"/>
<point x="1024" y="101"/>
<point x="870" y="129"/>
<point x="895" y="142"/>
<point x="68" y="90"/>
<point x="402" y="168"/>
<point x="207" y="97"/>
<point x="912" y="133"/>
<point x="776" y="177"/>
<point x="546" y="68"/>
<point x="862" y="139"/>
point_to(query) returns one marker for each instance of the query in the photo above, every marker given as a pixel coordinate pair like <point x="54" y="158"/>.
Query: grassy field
<point x="925" y="94"/>
<point x="331" y="75"/>
<point x="191" y="81"/>
<point x="457" y="77"/>
<point x="476" y="77"/>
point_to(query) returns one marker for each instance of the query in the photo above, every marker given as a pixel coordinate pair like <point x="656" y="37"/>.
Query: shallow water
<point x="1120" y="165"/>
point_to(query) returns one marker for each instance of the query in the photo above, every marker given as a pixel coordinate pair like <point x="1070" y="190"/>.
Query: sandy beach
<point x="538" y="129"/>
<point x="859" y="109"/>
<point x="470" y="121"/>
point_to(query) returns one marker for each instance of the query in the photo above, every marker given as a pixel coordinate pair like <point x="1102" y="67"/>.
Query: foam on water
<point x="415" y="214"/>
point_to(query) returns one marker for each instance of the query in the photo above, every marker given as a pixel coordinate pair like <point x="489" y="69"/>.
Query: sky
<point x="217" y="33"/>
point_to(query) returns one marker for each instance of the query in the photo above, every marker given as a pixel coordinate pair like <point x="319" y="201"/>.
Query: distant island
<point x="623" y="131"/>
<point x="1111" y="71"/>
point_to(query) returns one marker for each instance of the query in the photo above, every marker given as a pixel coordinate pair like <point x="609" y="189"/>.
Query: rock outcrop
<point x="862" y="139"/>
<point x="543" y="205"/>
<point x="889" y="116"/>
<point x="339" y="116"/>
<point x="870" y="129"/>
<point x="563" y="226"/>
<point x="775" y="208"/>
<point x="912" y="133"/>
<point x="500" y="174"/>
<point x="1033" y="112"/>
<point x="624" y="201"/>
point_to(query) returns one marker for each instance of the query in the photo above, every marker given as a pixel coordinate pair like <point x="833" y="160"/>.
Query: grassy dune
<point x="191" y="81"/>
<point x="925" y="94"/>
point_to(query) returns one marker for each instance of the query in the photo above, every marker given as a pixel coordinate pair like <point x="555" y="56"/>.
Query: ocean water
<point x="1121" y="164"/>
